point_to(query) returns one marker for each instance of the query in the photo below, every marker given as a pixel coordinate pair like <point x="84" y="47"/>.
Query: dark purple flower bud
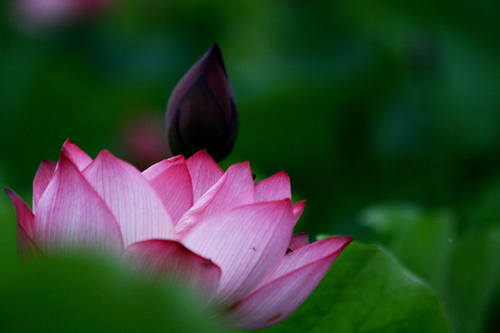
<point x="201" y="112"/>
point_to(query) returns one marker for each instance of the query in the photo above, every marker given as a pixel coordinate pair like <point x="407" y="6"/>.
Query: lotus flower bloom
<point x="225" y="238"/>
<point x="201" y="112"/>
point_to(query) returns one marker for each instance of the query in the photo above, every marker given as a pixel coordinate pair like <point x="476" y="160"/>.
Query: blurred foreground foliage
<point x="382" y="104"/>
<point x="82" y="294"/>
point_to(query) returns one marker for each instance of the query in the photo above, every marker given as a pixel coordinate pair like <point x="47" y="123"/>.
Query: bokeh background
<point x="385" y="114"/>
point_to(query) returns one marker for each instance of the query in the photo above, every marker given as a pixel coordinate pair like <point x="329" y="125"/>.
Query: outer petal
<point x="172" y="182"/>
<point x="276" y="300"/>
<point x="305" y="255"/>
<point x="234" y="189"/>
<point x="247" y="243"/>
<point x="79" y="158"/>
<point x="171" y="261"/>
<point x="276" y="187"/>
<point x="72" y="216"/>
<point x="204" y="173"/>
<point x="42" y="179"/>
<point x="138" y="209"/>
<point x="26" y="247"/>
<point x="295" y="259"/>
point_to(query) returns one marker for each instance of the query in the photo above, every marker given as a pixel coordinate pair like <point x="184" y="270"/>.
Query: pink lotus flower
<point x="186" y="221"/>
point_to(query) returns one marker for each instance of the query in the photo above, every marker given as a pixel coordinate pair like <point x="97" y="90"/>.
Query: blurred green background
<point x="385" y="114"/>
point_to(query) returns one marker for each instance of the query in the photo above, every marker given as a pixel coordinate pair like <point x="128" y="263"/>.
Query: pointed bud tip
<point x="216" y="53"/>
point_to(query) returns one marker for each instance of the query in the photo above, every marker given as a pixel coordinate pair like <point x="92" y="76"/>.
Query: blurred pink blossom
<point x="143" y="139"/>
<point x="226" y="239"/>
<point x="48" y="14"/>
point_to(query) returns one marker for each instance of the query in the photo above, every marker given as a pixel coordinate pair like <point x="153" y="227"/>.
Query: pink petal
<point x="24" y="215"/>
<point x="172" y="182"/>
<point x="135" y="204"/>
<point x="298" y="208"/>
<point x="298" y="240"/>
<point x="71" y="216"/>
<point x="247" y="243"/>
<point x="157" y="169"/>
<point x="307" y="254"/>
<point x="234" y="188"/>
<point x="170" y="261"/>
<point x="276" y="300"/>
<point x="204" y="173"/>
<point x="79" y="158"/>
<point x="42" y="179"/>
<point x="276" y="187"/>
<point x="304" y="255"/>
<point x="26" y="247"/>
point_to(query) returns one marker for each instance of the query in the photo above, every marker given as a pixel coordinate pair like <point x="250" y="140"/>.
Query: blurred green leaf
<point x="8" y="230"/>
<point x="422" y="241"/>
<point x="484" y="211"/>
<point x="367" y="290"/>
<point x="83" y="295"/>
<point x="464" y="268"/>
<point x="475" y="279"/>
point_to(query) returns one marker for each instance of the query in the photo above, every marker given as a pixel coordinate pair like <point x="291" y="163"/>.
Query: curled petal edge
<point x="275" y="301"/>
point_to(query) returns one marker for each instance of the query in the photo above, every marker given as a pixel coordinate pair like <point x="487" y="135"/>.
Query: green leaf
<point x="367" y="290"/>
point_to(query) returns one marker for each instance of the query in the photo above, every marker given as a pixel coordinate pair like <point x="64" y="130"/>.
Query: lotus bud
<point x="201" y="112"/>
